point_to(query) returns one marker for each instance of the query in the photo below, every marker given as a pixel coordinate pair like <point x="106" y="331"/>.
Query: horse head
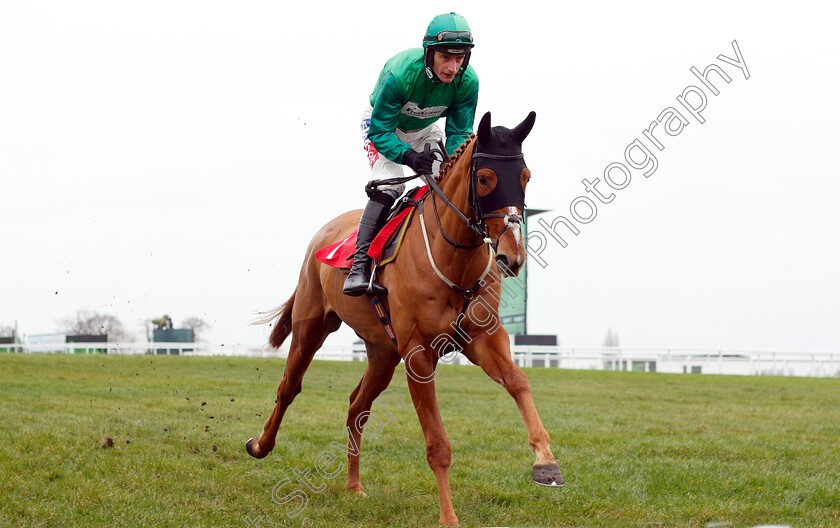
<point x="498" y="177"/>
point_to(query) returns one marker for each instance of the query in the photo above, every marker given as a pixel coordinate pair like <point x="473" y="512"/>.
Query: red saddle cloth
<point x="340" y="254"/>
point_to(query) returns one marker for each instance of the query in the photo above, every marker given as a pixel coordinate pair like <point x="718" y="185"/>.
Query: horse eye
<point x="482" y="180"/>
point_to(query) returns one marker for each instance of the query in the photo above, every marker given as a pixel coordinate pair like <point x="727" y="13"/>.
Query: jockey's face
<point x="446" y="65"/>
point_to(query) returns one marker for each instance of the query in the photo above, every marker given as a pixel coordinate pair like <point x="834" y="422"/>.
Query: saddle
<point x="386" y="244"/>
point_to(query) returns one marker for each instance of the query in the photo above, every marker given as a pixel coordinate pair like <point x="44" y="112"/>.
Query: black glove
<point x="420" y="162"/>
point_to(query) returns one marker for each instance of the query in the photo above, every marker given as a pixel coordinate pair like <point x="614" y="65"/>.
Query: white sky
<point x="176" y="157"/>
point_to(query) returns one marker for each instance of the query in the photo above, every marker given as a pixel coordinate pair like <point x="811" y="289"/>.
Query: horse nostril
<point x="503" y="263"/>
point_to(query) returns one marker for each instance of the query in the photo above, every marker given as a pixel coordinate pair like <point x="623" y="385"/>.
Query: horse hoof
<point x="547" y="475"/>
<point x="356" y="489"/>
<point x="249" y="447"/>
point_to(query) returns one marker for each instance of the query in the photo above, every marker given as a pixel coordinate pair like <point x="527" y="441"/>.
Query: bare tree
<point x="7" y="331"/>
<point x="149" y="329"/>
<point x="197" y="325"/>
<point x="89" y="322"/>
<point x="611" y="339"/>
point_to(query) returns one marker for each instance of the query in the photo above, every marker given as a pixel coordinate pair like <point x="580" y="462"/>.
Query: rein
<point x="474" y="202"/>
<point x="478" y="228"/>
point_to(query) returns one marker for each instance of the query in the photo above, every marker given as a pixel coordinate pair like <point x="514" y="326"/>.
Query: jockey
<point x="415" y="89"/>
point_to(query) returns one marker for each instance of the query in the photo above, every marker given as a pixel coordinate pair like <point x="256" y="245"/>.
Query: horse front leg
<point x="492" y="353"/>
<point x="420" y="363"/>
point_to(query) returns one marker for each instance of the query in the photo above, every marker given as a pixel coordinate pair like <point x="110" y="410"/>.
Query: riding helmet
<point x="448" y="33"/>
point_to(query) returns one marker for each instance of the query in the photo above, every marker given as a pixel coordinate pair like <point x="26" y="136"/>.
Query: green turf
<point x="636" y="449"/>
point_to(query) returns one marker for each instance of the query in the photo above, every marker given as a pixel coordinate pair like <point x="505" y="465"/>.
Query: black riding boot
<point x="373" y="218"/>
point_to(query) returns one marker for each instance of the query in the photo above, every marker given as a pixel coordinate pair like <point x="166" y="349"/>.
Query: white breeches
<point x="381" y="167"/>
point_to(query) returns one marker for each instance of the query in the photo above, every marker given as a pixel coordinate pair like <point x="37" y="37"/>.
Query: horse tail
<point x="283" y="323"/>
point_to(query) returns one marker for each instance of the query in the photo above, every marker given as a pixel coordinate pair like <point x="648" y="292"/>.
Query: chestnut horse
<point x="444" y="292"/>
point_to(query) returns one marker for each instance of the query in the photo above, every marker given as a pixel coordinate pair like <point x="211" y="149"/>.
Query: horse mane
<point x="447" y="166"/>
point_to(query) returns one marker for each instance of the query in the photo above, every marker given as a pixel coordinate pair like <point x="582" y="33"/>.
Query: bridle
<point x="479" y="227"/>
<point x="506" y="192"/>
<point x="477" y="203"/>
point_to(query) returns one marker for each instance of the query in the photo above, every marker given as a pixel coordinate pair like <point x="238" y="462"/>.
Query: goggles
<point x="451" y="37"/>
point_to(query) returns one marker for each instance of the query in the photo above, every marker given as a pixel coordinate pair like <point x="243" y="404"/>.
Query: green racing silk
<point x="406" y="98"/>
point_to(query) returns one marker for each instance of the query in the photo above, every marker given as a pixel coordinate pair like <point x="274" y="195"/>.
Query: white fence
<point x="669" y="360"/>
<point x="332" y="353"/>
<point x="684" y="361"/>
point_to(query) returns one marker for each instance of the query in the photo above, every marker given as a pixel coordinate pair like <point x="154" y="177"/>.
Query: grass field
<point x="636" y="449"/>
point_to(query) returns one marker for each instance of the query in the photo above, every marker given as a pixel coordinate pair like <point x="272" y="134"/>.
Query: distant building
<point x="57" y="343"/>
<point x="173" y="335"/>
<point x="46" y="343"/>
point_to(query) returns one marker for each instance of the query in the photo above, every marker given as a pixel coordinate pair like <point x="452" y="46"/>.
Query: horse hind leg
<point x="307" y="337"/>
<point x="377" y="377"/>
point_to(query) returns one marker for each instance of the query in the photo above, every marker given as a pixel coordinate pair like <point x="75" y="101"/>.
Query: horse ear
<point x="484" y="130"/>
<point x="524" y="128"/>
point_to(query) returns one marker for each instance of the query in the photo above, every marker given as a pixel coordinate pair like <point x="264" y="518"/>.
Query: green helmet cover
<point x="448" y="30"/>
